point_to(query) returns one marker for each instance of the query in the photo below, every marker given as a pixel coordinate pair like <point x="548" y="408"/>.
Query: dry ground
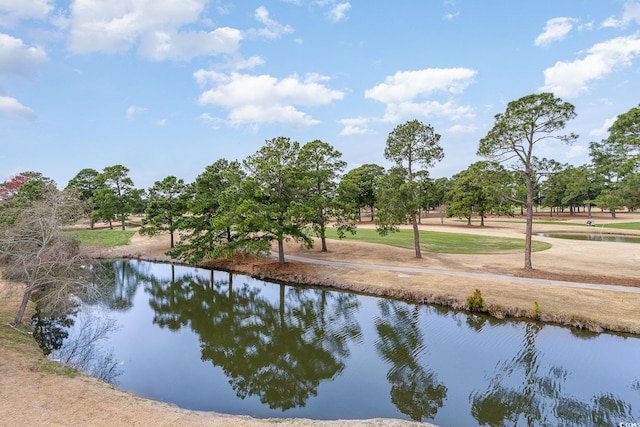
<point x="31" y="396"/>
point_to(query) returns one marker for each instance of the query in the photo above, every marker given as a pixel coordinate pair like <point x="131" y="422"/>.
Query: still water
<point x="597" y="237"/>
<point x="215" y="341"/>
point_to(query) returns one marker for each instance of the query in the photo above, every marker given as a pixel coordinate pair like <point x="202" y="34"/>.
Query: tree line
<point x="292" y="191"/>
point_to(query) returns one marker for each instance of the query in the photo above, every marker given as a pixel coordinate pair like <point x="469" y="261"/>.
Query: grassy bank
<point x="19" y="339"/>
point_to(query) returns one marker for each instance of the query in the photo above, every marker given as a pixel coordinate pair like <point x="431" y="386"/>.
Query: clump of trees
<point x="285" y="191"/>
<point x="292" y="191"/>
<point x="37" y="255"/>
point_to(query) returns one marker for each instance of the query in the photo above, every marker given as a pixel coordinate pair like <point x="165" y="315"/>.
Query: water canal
<point x="595" y="237"/>
<point x="214" y="341"/>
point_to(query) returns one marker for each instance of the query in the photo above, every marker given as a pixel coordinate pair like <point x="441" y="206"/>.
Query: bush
<point x="475" y="302"/>
<point x="536" y="310"/>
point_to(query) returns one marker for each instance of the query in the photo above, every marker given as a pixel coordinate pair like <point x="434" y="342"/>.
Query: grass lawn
<point x="105" y="238"/>
<point x="446" y="243"/>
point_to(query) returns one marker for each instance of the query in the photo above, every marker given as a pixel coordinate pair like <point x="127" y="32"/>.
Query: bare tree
<point x="82" y="349"/>
<point x="35" y="253"/>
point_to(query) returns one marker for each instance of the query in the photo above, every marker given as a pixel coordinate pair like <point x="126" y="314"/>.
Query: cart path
<point x="407" y="269"/>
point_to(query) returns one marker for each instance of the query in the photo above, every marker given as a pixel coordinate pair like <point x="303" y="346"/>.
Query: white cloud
<point x="610" y="22"/>
<point x="215" y="122"/>
<point x="397" y="112"/>
<point x="576" y="151"/>
<point x="406" y="85"/>
<point x="451" y="16"/>
<point x="161" y="122"/>
<point x="12" y="11"/>
<point x="355" y="126"/>
<point x="402" y="91"/>
<point x="457" y="129"/>
<point x="569" y="79"/>
<point x="155" y="27"/>
<point x="631" y="13"/>
<point x="263" y="98"/>
<point x="272" y="29"/>
<point x="602" y="130"/>
<point x="555" y="30"/>
<point x="133" y="111"/>
<point x="12" y="107"/>
<point x="18" y="59"/>
<point x="339" y="12"/>
<point x="162" y="45"/>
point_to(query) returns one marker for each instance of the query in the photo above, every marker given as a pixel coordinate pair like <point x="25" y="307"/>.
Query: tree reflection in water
<point x="415" y="391"/>
<point x="74" y="339"/>
<point x="278" y="345"/>
<point x="50" y="331"/>
<point x="521" y="394"/>
<point x="123" y="278"/>
<point x="278" y="351"/>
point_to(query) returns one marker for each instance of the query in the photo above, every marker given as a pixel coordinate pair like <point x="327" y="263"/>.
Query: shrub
<point x="475" y="302"/>
<point x="536" y="310"/>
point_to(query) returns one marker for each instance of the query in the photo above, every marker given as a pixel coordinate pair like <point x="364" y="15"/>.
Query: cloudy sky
<point x="167" y="87"/>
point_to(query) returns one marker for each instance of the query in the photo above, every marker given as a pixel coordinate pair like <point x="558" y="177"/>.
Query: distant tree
<point x="9" y="188"/>
<point x="21" y="192"/>
<point x="273" y="209"/>
<point x="479" y="189"/>
<point x="138" y="201"/>
<point x="85" y="182"/>
<point x="525" y="123"/>
<point x="114" y="199"/>
<point x="209" y="230"/>
<point x="572" y="187"/>
<point x="631" y="188"/>
<point x="357" y="188"/>
<point x="617" y="157"/>
<point x="409" y="146"/>
<point x="394" y="198"/>
<point x="554" y="189"/>
<point x="35" y="253"/>
<point x="611" y="199"/>
<point x="579" y="185"/>
<point x="167" y="204"/>
<point x="438" y="193"/>
<point x="608" y="159"/>
<point x="425" y="188"/>
<point x="104" y="203"/>
<point x="625" y="133"/>
<point x="33" y="191"/>
<point x="319" y="167"/>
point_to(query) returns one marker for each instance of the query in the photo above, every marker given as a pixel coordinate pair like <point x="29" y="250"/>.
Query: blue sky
<point x="167" y="87"/>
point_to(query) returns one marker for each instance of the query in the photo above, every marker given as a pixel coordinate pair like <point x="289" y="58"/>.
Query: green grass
<point x="57" y="368"/>
<point x="445" y="243"/>
<point x="106" y="238"/>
